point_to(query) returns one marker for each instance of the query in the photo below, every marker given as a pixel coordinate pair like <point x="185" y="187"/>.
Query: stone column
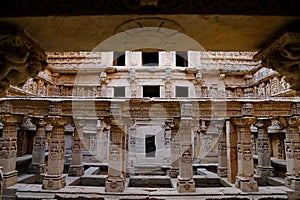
<point x="38" y="166"/>
<point x="186" y="182"/>
<point x="102" y="140"/>
<point x="231" y="145"/>
<point x="292" y="150"/>
<point x="115" y="181"/>
<point x="222" y="154"/>
<point x="175" y="154"/>
<point x="245" y="180"/>
<point x="76" y="167"/>
<point x="54" y="178"/>
<point x="263" y="148"/>
<point x="8" y="151"/>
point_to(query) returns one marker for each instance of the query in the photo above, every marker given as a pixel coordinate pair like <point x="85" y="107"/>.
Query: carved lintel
<point x="21" y="57"/>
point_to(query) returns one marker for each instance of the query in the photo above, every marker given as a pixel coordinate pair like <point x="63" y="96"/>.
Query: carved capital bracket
<point x="21" y="57"/>
<point x="283" y="55"/>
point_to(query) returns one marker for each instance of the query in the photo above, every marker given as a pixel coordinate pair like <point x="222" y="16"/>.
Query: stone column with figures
<point x="222" y="153"/>
<point x="76" y="167"/>
<point x="263" y="148"/>
<point x="102" y="140"/>
<point x="186" y="182"/>
<point x="292" y="150"/>
<point x="38" y="165"/>
<point x="8" y="150"/>
<point x="245" y="177"/>
<point x="54" y="178"/>
<point x="115" y="181"/>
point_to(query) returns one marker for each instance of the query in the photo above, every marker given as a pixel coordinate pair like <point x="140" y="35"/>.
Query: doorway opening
<point x="150" y="145"/>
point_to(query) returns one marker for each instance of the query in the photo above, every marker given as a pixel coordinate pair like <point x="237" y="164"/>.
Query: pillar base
<point x="54" y="182"/>
<point x="76" y="170"/>
<point x="186" y="185"/>
<point x="222" y="172"/>
<point x="292" y="183"/>
<point x="39" y="170"/>
<point x="115" y="184"/>
<point x="174" y="172"/>
<point x="264" y="171"/>
<point x="10" y="179"/>
<point x="246" y="184"/>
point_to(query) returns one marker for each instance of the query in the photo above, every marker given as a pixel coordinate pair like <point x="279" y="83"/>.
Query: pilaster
<point x="38" y="166"/>
<point x="245" y="180"/>
<point x="222" y="154"/>
<point x="292" y="150"/>
<point x="8" y="151"/>
<point x="263" y="148"/>
<point x="76" y="167"/>
<point x="231" y="145"/>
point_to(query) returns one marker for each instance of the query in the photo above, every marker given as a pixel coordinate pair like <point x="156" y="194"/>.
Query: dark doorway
<point x="151" y="91"/>
<point x="119" y="91"/>
<point x="182" y="91"/>
<point x="181" y="59"/>
<point x="150" y="145"/>
<point x="119" y="59"/>
<point x="150" y="58"/>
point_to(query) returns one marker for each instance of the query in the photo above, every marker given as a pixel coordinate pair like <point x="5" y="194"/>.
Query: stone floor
<point x="34" y="191"/>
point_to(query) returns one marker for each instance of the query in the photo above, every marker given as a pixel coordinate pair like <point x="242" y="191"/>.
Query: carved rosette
<point x="21" y="57"/>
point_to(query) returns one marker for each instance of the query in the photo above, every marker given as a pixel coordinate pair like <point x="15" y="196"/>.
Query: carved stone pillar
<point x="186" y="182"/>
<point x="245" y="180"/>
<point x="54" y="178"/>
<point x="102" y="140"/>
<point x="231" y="145"/>
<point x="115" y="181"/>
<point x="264" y="167"/>
<point x="8" y="151"/>
<point x="38" y="166"/>
<point x="292" y="150"/>
<point x="76" y="167"/>
<point x="222" y="154"/>
<point x="175" y="154"/>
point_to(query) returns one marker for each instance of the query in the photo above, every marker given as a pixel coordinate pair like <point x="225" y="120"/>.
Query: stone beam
<point x="21" y="57"/>
<point x="142" y="7"/>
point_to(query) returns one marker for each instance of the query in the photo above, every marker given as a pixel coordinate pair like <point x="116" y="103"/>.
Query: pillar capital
<point x="263" y="122"/>
<point x="58" y="121"/>
<point x="11" y="119"/>
<point x="243" y="121"/>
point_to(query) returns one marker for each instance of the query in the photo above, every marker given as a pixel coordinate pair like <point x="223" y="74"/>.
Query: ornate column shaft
<point x="8" y="150"/>
<point x="76" y="167"/>
<point x="245" y="180"/>
<point x="115" y="181"/>
<point x="186" y="182"/>
<point x="263" y="148"/>
<point x="222" y="154"/>
<point x="54" y="178"/>
<point x="175" y="154"/>
<point x="102" y="140"/>
<point x="292" y="150"/>
<point x="231" y="145"/>
<point x="38" y="166"/>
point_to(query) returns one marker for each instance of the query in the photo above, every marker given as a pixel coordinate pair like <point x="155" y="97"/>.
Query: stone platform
<point x="26" y="191"/>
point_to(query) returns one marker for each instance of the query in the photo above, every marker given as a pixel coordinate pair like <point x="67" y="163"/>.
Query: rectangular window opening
<point x="119" y="59"/>
<point x="151" y="91"/>
<point x="150" y="145"/>
<point x="181" y="59"/>
<point x="150" y="58"/>
<point x="119" y="91"/>
<point x="182" y="91"/>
